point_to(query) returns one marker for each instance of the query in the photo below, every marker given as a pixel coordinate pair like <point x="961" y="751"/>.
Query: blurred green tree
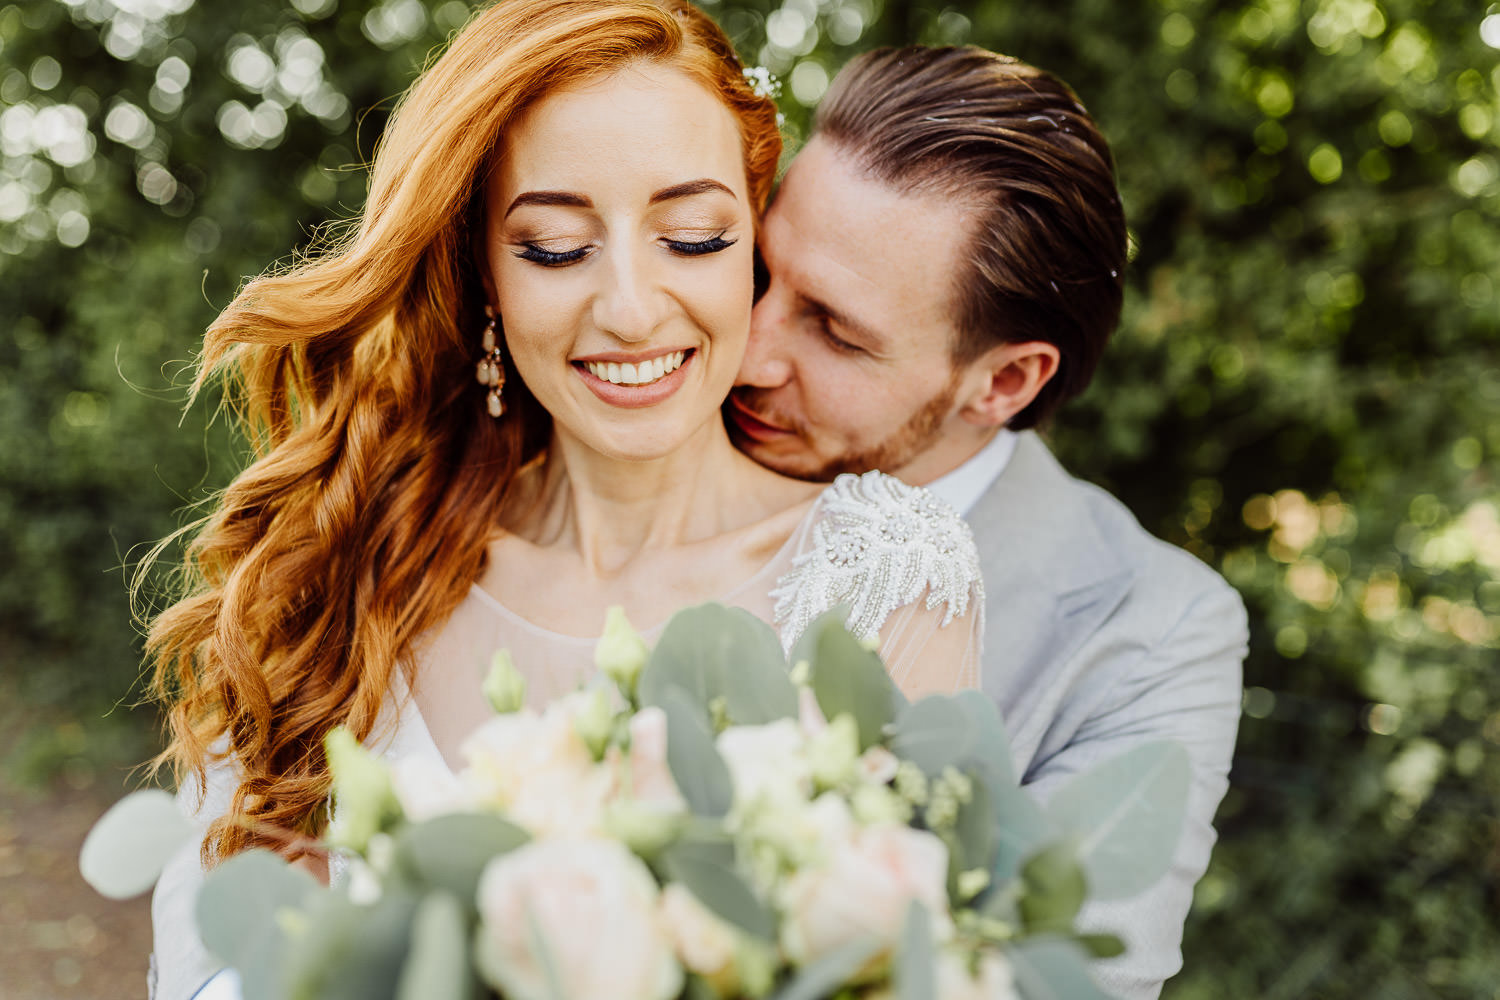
<point x="1305" y="390"/>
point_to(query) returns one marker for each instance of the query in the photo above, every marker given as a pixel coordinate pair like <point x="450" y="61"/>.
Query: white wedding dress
<point x="902" y="560"/>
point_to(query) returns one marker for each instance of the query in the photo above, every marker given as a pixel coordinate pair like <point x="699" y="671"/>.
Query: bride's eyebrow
<point x="688" y="189"/>
<point x="565" y="198"/>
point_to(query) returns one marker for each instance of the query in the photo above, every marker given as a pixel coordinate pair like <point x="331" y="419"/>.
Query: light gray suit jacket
<point x="1099" y="637"/>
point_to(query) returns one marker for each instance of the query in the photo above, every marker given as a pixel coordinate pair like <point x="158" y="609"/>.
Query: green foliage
<point x="1124" y="813"/>
<point x="1304" y="390"/>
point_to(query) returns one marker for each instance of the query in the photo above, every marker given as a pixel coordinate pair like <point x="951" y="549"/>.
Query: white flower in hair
<point x="762" y="82"/>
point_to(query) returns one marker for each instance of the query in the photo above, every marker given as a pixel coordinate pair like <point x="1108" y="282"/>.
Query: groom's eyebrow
<point x="871" y="340"/>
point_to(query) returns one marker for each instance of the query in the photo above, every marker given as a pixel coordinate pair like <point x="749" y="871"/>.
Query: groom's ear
<point x="1004" y="380"/>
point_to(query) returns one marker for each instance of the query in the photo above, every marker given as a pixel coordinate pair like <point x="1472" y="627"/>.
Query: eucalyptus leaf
<point x="708" y="872"/>
<point x="820" y="979"/>
<point x="700" y="773"/>
<point x="350" y="951"/>
<point x="847" y="677"/>
<point x="1020" y="828"/>
<point x="916" y="960"/>
<point x="991" y="741"/>
<point x="975" y="833"/>
<point x="449" y="852"/>
<point x="712" y="651"/>
<point x="238" y="913"/>
<point x="437" y="964"/>
<point x="1055" y="889"/>
<point x="1128" y="814"/>
<point x="125" y="852"/>
<point x="1053" y="968"/>
<point x="934" y="733"/>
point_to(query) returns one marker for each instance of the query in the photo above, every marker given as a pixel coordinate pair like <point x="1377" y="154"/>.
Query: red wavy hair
<point x="377" y="475"/>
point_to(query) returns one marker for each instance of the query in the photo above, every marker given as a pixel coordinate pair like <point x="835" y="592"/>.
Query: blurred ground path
<point x="60" y="940"/>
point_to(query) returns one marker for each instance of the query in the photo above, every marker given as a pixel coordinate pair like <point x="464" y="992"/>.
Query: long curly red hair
<point x="377" y="476"/>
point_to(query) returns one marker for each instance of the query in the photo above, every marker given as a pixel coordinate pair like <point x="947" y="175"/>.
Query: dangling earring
<point x="490" y="372"/>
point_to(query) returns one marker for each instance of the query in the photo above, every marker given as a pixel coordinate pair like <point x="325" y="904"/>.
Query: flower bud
<point x="504" y="688"/>
<point x="364" y="801"/>
<point x="620" y="653"/>
<point x="594" y="722"/>
<point x="873" y="804"/>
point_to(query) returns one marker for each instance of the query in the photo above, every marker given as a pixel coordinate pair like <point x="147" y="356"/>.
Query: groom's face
<point x="849" y="365"/>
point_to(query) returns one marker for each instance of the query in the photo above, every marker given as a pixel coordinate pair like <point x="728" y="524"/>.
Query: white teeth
<point x="643" y="373"/>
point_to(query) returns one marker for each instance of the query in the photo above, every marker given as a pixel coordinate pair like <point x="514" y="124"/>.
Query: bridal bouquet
<point x="704" y="822"/>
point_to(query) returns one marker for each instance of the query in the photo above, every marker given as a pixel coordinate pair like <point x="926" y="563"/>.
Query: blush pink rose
<point x="865" y="888"/>
<point x="577" y="914"/>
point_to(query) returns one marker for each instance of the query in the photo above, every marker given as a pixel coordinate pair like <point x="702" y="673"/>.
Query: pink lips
<point x="632" y="396"/>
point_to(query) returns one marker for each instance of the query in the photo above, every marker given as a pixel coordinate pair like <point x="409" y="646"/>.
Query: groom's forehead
<point x="880" y="254"/>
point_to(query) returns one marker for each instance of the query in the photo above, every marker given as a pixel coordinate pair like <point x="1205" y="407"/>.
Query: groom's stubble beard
<point x="898" y="449"/>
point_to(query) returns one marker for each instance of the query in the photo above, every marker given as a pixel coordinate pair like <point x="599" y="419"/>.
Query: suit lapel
<point x="1050" y="577"/>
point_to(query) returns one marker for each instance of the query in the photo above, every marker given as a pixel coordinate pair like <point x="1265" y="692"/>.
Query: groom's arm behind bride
<point x="946" y="259"/>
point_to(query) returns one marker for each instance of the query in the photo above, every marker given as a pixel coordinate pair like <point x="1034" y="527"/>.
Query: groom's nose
<point x="767" y="363"/>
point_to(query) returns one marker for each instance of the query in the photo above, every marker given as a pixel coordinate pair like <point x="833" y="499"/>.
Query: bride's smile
<point x="619" y="231"/>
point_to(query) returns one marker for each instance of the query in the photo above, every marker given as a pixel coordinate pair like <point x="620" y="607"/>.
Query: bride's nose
<point x="628" y="304"/>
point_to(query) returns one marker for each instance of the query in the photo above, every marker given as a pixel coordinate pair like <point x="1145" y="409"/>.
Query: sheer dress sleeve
<point x="904" y="563"/>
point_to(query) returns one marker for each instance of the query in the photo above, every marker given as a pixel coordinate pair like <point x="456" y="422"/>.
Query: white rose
<point x="766" y="762"/>
<point x="864" y="888"/>
<point x="994" y="981"/>
<point x="577" y="913"/>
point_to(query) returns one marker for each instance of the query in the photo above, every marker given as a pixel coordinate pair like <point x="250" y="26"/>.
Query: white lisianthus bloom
<point x="766" y="763"/>
<point x="864" y="888"/>
<point x="878" y="765"/>
<point x="993" y="982"/>
<point x="573" y="919"/>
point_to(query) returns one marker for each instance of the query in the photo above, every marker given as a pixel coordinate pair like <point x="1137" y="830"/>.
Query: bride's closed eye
<point x="551" y="258"/>
<point x="696" y="248"/>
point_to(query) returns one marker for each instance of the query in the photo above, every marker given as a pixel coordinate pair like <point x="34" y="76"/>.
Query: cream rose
<point x="864" y="888"/>
<point x="538" y="771"/>
<point x="573" y="919"/>
<point x="766" y="762"/>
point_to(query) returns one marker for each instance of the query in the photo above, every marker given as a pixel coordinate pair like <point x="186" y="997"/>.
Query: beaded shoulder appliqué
<point x="878" y="544"/>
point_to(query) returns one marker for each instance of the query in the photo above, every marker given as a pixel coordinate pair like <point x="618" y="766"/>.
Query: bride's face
<point x="619" y="238"/>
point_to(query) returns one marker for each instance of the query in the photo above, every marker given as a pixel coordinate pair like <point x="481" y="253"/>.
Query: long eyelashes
<point x="683" y="248"/>
<point x="712" y="245"/>
<point x="547" y="258"/>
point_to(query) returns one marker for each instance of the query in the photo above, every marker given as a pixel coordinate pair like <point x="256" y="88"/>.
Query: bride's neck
<point x="611" y="510"/>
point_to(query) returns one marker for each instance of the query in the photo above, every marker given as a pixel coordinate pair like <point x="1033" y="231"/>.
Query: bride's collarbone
<point x="556" y="585"/>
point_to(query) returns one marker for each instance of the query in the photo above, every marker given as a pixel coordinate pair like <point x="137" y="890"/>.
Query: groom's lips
<point x="751" y="425"/>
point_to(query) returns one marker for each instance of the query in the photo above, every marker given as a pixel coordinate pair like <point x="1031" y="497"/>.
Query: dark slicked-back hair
<point x="1046" y="249"/>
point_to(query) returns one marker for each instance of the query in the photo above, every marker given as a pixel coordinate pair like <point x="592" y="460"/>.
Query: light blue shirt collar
<point x="963" y="487"/>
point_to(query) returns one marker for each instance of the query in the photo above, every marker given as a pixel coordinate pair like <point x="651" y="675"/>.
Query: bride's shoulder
<point x="876" y="543"/>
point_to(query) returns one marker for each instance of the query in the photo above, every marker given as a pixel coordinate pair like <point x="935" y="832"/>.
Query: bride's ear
<point x="1004" y="381"/>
